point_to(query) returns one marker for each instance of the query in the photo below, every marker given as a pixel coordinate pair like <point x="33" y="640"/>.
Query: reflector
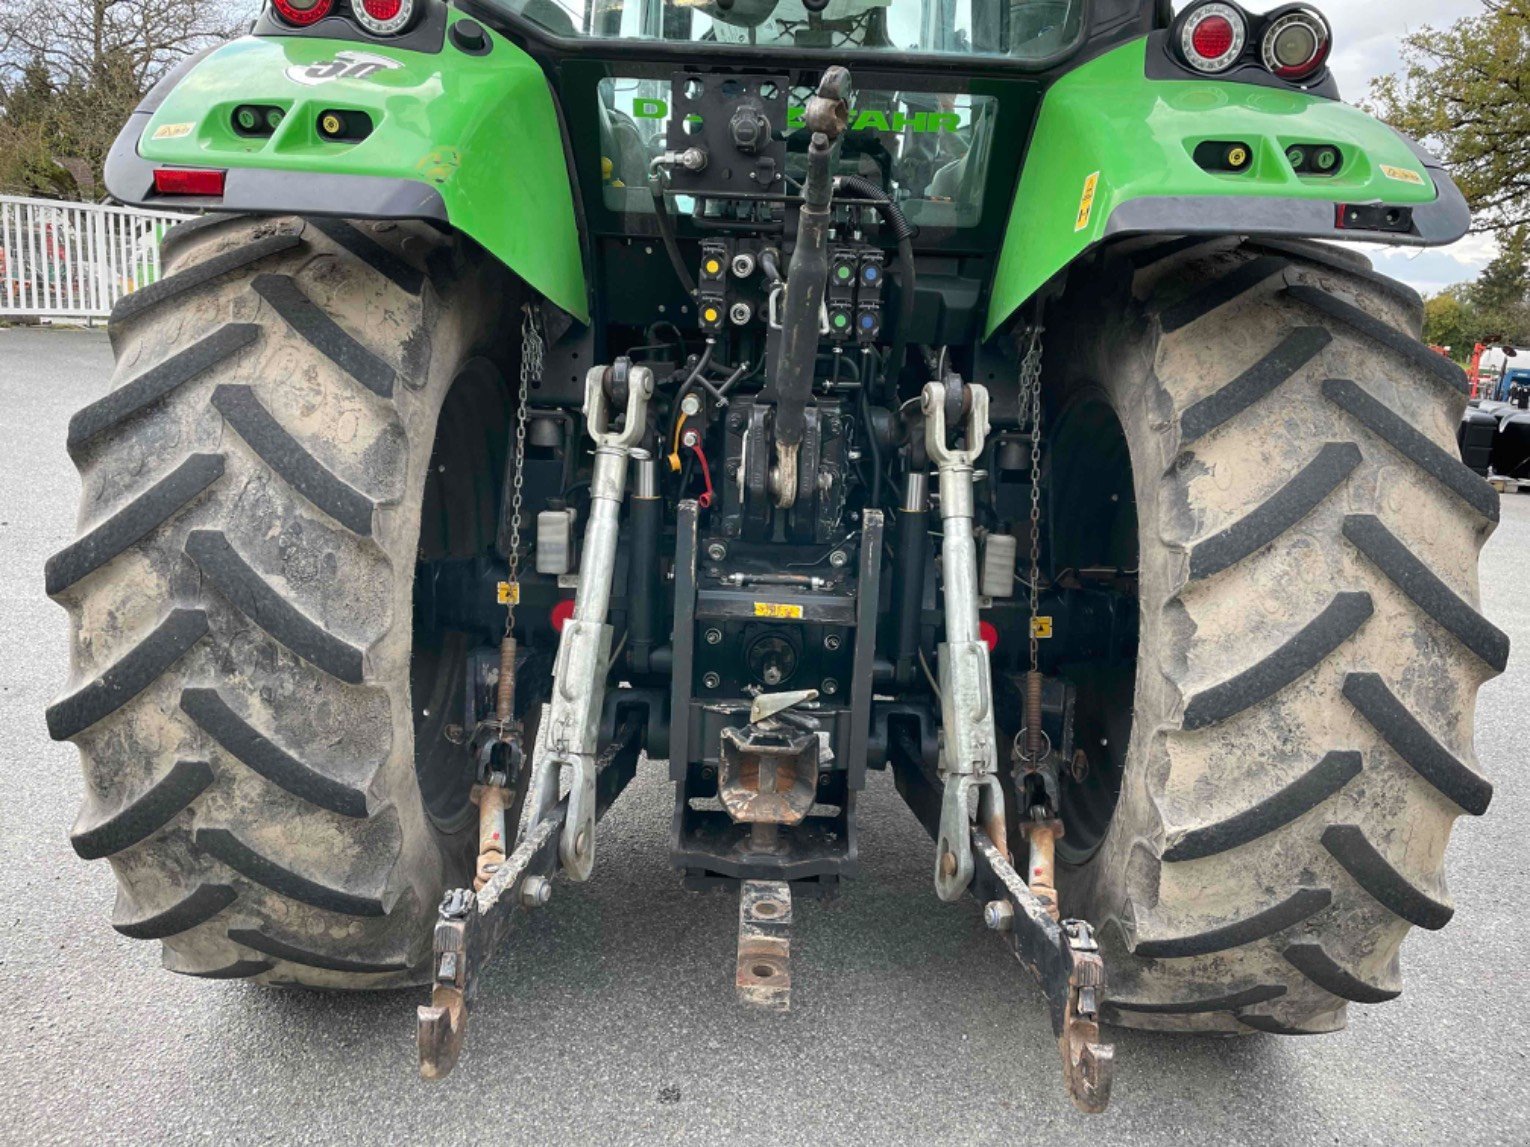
<point x="188" y="181"/>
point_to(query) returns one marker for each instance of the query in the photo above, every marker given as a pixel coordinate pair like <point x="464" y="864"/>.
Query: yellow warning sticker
<point x="509" y="593"/>
<point x="1402" y="175"/>
<point x="173" y="130"/>
<point x="776" y="609"/>
<point x="1086" y="202"/>
<point x="1041" y="628"/>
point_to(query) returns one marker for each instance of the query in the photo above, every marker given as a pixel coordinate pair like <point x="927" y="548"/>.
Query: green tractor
<point x="776" y="391"/>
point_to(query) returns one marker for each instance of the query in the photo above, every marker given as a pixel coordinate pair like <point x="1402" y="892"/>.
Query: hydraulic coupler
<point x="566" y="737"/>
<point x="969" y="757"/>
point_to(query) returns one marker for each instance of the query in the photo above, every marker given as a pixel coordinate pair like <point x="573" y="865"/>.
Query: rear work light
<point x="384" y="17"/>
<point x="1296" y="43"/>
<point x="188" y="181"/>
<point x="1212" y="36"/>
<point x="301" y="13"/>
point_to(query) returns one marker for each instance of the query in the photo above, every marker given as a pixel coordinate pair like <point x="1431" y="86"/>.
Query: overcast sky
<point x="1366" y="34"/>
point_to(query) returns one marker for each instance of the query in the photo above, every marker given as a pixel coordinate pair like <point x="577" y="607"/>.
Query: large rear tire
<point x="240" y="596"/>
<point x="1311" y="646"/>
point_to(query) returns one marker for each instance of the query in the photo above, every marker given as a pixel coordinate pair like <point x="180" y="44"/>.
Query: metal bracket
<point x="764" y="978"/>
<point x="566" y="737"/>
<point x="1065" y="959"/>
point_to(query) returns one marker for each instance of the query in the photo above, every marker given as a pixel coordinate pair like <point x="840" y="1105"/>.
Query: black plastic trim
<point x="130" y="178"/>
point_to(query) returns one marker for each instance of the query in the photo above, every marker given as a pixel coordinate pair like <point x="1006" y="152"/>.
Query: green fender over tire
<point x="474" y="141"/>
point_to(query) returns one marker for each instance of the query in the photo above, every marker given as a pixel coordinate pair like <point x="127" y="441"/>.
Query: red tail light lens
<point x="302" y="13"/>
<point x="1296" y="44"/>
<point x="1212" y="36"/>
<point x="188" y="181"/>
<point x="384" y="17"/>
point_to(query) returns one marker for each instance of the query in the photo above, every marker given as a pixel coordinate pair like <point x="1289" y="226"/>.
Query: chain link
<point x="531" y="370"/>
<point x="1030" y="385"/>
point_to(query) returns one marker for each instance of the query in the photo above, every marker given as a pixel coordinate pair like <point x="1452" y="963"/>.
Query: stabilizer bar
<point x="472" y="926"/>
<point x="1063" y="956"/>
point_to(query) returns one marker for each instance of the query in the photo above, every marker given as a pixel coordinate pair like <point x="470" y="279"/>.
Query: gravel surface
<point x="612" y="1018"/>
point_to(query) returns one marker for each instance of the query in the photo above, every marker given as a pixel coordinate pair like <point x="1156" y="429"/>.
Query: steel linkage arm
<point x="1061" y="955"/>
<point x="566" y="737"/>
<point x="969" y="758"/>
<point x="471" y="926"/>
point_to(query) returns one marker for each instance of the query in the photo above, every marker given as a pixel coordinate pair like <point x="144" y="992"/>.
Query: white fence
<point x="75" y="260"/>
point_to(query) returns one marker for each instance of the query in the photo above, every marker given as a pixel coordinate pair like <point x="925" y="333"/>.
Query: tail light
<point x="1212" y="36"/>
<point x="199" y="181"/>
<point x="1296" y="43"/>
<point x="384" y="17"/>
<point x="301" y="13"/>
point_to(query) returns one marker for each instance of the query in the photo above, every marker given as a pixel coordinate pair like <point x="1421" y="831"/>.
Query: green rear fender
<point x="469" y="140"/>
<point x="1113" y="153"/>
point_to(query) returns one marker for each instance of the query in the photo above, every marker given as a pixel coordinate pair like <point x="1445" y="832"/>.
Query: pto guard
<point x="1112" y="154"/>
<point x="473" y="141"/>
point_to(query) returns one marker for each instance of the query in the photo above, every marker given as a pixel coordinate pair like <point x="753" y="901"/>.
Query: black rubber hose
<point x="667" y="233"/>
<point x="903" y="232"/>
<point x="876" y="452"/>
<point x="646" y="521"/>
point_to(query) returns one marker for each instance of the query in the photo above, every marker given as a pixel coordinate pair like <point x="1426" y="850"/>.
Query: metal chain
<point x="531" y="370"/>
<point x="1030" y="385"/>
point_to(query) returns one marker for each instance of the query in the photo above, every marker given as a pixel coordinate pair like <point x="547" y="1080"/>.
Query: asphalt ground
<point x="611" y="1019"/>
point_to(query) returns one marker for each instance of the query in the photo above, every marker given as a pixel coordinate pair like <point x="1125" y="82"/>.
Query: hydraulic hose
<point x="903" y="232"/>
<point x="667" y="233"/>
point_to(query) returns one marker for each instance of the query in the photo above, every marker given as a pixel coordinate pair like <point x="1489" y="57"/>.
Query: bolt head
<point x="828" y="687"/>
<point x="999" y="915"/>
<point x="838" y="559"/>
<point x="711" y="680"/>
<point x="831" y="642"/>
<point x="717" y="551"/>
<point x="536" y="891"/>
<point x="714" y="637"/>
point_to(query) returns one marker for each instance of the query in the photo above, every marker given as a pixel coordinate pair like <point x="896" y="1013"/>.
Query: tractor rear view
<point x="778" y="391"/>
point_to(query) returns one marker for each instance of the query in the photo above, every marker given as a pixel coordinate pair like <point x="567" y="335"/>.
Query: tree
<point x="1450" y="322"/>
<point x="69" y="79"/>
<point x="1501" y="294"/>
<point x="1465" y="92"/>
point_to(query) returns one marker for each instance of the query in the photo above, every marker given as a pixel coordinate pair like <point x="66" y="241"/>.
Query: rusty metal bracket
<point x="764" y="973"/>
<point x="471" y="926"/>
<point x="1065" y="960"/>
<point x="1062" y="955"/>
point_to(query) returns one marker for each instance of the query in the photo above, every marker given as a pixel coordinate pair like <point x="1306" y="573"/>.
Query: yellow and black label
<point x="777" y="609"/>
<point x="1041" y="628"/>
<point x="1086" y="202"/>
<point x="1402" y="174"/>
<point x="509" y="593"/>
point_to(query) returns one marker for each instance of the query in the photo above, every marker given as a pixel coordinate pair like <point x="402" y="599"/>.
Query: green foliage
<point x="69" y="80"/>
<point x="1494" y="309"/>
<point x="1465" y="91"/>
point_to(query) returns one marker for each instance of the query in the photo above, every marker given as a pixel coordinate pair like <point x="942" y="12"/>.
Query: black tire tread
<point x="1300" y="797"/>
<point x="1312" y="961"/>
<point x="345" y="234"/>
<point x="249" y="593"/>
<point x="1427" y="591"/>
<point x="1217" y="293"/>
<point x="1299" y="655"/>
<point x="1418" y="748"/>
<point x="1283" y="509"/>
<point x="295" y="954"/>
<point x="1444" y="467"/>
<point x="134" y="522"/>
<point x="268" y="873"/>
<point x="1404" y="346"/>
<point x="159" y="380"/>
<point x="139" y="302"/>
<point x="128" y="676"/>
<point x="1347" y="844"/>
<point x="1295" y="351"/>
<point x="200" y="906"/>
<point x="255" y="750"/>
<point x="324" y="334"/>
<point x="144" y="815"/>
<point x="286" y="455"/>
<point x="1301" y="904"/>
